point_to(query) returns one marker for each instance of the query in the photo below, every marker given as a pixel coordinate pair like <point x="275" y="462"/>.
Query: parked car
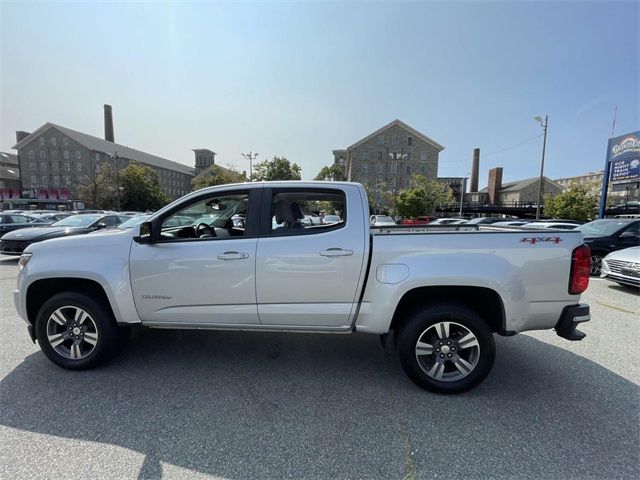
<point x="609" y="235"/>
<point x="14" y="243"/>
<point x="416" y="221"/>
<point x="13" y="221"/>
<point x="550" y="226"/>
<point x="330" y="219"/>
<point x="442" y="295"/>
<point x="484" y="220"/>
<point x="448" y="221"/>
<point x="382" y="221"/>
<point x="622" y="267"/>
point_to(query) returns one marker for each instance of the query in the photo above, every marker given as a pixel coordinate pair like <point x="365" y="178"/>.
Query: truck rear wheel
<point x="78" y="333"/>
<point x="445" y="348"/>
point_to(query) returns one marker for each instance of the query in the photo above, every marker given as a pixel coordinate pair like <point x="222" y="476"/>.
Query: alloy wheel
<point x="447" y="351"/>
<point x="72" y="333"/>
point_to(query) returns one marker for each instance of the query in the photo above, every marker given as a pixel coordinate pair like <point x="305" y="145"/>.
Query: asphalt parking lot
<point x="250" y="405"/>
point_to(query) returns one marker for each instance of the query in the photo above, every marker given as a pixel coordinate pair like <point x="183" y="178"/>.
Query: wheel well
<point x="484" y="301"/>
<point x="42" y="290"/>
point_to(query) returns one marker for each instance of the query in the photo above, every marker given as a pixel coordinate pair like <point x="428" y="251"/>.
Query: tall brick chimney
<point x="475" y="166"/>
<point x="20" y="135"/>
<point x="495" y="184"/>
<point x="108" y="124"/>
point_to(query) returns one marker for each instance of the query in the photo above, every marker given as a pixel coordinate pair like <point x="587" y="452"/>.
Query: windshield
<point x="601" y="228"/>
<point x="384" y="218"/>
<point x="132" y="222"/>
<point x="77" y="221"/>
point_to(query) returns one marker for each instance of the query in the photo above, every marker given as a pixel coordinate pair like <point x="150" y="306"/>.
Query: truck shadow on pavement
<point x="248" y="405"/>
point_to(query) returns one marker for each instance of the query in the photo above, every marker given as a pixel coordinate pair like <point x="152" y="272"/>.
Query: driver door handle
<point x="233" y="256"/>
<point x="336" y="252"/>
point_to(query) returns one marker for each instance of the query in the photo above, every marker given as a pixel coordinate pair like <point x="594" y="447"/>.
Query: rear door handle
<point x="336" y="252"/>
<point x="233" y="256"/>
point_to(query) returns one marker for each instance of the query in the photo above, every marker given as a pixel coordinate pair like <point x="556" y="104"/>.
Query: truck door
<point x="308" y="274"/>
<point x="202" y="272"/>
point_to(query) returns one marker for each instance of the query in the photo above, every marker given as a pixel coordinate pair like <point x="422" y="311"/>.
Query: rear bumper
<point x="570" y="318"/>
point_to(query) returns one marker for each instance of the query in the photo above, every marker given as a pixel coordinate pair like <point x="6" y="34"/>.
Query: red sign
<point x="5" y="193"/>
<point x="63" y="194"/>
<point x="42" y="193"/>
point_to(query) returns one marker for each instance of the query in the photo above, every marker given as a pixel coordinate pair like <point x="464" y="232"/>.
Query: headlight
<point x="24" y="259"/>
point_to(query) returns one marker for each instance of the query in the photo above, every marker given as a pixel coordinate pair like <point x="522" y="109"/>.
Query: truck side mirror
<point x="146" y="233"/>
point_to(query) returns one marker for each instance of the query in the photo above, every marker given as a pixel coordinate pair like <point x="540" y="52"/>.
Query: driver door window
<point x="212" y="218"/>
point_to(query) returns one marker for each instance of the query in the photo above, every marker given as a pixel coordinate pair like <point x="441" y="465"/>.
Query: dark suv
<point x="608" y="235"/>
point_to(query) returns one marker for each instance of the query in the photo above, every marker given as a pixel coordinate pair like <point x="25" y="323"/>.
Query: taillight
<point x="580" y="267"/>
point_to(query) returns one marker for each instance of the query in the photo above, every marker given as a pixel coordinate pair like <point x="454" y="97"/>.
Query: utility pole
<point x="251" y="157"/>
<point x="544" y="146"/>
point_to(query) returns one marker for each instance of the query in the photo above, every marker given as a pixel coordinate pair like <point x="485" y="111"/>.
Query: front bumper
<point x="570" y="318"/>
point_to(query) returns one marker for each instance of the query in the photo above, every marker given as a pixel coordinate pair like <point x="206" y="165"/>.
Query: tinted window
<point x="19" y="219"/>
<point x="601" y="228"/>
<point x="110" y="221"/>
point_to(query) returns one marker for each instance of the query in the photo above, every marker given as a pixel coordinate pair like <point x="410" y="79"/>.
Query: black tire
<point x="424" y="325"/>
<point x="110" y="339"/>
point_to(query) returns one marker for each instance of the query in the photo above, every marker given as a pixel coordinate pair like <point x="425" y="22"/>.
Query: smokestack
<point x="495" y="184"/>
<point x="475" y="165"/>
<point x="108" y="124"/>
<point x="20" y="135"/>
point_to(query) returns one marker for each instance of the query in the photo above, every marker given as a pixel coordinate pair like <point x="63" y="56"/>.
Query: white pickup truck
<point x="248" y="262"/>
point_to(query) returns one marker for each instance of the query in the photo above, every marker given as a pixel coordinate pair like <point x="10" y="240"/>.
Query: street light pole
<point x="396" y="156"/>
<point x="544" y="147"/>
<point x="251" y="157"/>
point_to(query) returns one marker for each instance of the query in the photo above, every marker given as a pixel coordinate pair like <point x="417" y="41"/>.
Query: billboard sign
<point x="624" y="171"/>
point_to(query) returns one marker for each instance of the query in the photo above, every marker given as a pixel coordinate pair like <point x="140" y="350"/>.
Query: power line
<point x="497" y="151"/>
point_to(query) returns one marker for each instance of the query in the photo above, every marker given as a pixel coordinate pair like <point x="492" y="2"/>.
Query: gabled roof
<point x="401" y="124"/>
<point x="8" y="158"/>
<point x="99" y="145"/>
<point x="520" y="184"/>
<point x="9" y="173"/>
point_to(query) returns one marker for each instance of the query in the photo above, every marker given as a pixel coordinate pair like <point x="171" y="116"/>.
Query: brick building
<point x="385" y="160"/>
<point x="55" y="161"/>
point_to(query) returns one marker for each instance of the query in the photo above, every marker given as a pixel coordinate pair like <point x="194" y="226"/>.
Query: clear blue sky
<point x="300" y="79"/>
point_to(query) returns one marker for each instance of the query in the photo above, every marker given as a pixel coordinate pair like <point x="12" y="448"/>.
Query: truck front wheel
<point x="76" y="332"/>
<point x="445" y="348"/>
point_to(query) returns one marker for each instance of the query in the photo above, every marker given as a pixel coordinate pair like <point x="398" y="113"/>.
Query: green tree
<point x="422" y="198"/>
<point x="98" y="187"/>
<point x="332" y="172"/>
<point x="277" y="169"/>
<point x="141" y="188"/>
<point x="578" y="202"/>
<point x="218" y="176"/>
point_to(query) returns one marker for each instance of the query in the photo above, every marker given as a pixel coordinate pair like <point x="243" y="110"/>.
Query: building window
<point x="407" y="183"/>
<point x="395" y="140"/>
<point x="379" y="168"/>
<point x="45" y="181"/>
<point x="392" y="167"/>
<point x="32" y="165"/>
<point x="380" y="139"/>
<point x="379" y="156"/>
<point x="67" y="167"/>
<point x="32" y="155"/>
<point x="43" y="155"/>
<point x="365" y="168"/>
<point x="53" y="141"/>
<point x="56" y="180"/>
<point x="41" y="141"/>
<point x="409" y="140"/>
<point x="365" y="156"/>
<point x="97" y="168"/>
<point x="34" y="180"/>
<point x="79" y="167"/>
<point x="54" y="165"/>
<point x="65" y="141"/>
<point x="78" y="154"/>
<point x="67" y="180"/>
<point x="423" y="156"/>
<point x="65" y="154"/>
<point x="54" y="154"/>
<point x="423" y="169"/>
<point x="43" y="166"/>
<point x="97" y="157"/>
<point x="408" y="170"/>
<point x="409" y="156"/>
